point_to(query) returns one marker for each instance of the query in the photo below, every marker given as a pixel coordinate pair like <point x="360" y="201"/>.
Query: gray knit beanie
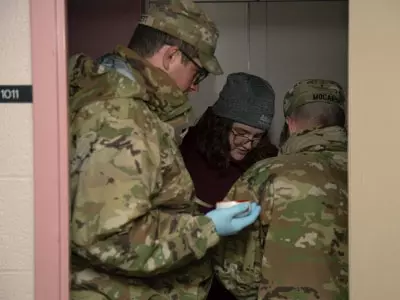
<point x="246" y="99"/>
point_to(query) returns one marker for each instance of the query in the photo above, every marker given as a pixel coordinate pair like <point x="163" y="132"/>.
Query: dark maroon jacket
<point x="212" y="184"/>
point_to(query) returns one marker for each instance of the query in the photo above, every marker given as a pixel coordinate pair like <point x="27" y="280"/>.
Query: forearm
<point x="156" y="243"/>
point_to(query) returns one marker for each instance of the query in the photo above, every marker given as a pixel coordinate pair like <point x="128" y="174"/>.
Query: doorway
<point x="385" y="22"/>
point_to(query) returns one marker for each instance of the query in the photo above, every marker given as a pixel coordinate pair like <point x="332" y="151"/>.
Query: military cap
<point x="311" y="91"/>
<point x="186" y="21"/>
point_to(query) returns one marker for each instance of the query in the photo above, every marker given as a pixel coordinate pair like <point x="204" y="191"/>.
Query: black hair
<point x="147" y="41"/>
<point x="284" y="134"/>
<point x="213" y="139"/>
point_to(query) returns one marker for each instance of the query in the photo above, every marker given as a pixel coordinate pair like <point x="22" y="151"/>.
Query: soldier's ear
<point x="170" y="57"/>
<point x="291" y="125"/>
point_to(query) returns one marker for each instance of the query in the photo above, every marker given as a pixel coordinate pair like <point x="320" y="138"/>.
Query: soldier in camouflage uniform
<point x="135" y="229"/>
<point x="298" y="250"/>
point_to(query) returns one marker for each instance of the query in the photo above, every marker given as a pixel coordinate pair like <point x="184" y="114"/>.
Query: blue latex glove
<point x="228" y="223"/>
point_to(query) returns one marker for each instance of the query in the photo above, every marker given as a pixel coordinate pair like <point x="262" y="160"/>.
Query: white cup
<point x="227" y="204"/>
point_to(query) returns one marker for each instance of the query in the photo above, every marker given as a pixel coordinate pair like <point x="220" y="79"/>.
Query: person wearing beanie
<point x="215" y="149"/>
<point x="299" y="247"/>
<point x="226" y="140"/>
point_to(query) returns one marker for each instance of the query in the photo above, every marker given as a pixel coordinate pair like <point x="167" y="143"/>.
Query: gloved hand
<point x="228" y="223"/>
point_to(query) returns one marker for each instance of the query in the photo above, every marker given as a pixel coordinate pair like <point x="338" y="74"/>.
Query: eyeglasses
<point x="242" y="139"/>
<point x="201" y="74"/>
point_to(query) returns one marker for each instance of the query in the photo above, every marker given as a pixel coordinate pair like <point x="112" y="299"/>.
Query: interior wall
<point x="282" y="42"/>
<point x="16" y="157"/>
<point x="305" y="40"/>
<point x="96" y="27"/>
<point x="374" y="64"/>
<point x="239" y="25"/>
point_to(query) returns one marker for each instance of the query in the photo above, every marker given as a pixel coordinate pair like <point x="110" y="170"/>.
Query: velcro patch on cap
<point x="146" y="20"/>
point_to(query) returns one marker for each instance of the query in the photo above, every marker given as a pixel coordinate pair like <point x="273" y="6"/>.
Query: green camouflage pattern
<point x="135" y="229"/>
<point x="298" y="249"/>
<point x="313" y="90"/>
<point x="186" y="21"/>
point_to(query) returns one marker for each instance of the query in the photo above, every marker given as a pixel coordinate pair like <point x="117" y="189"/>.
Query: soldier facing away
<point x="299" y="247"/>
<point x="135" y="230"/>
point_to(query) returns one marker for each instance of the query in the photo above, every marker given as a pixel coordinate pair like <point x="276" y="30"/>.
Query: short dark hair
<point x="320" y="114"/>
<point x="147" y="41"/>
<point x="284" y="134"/>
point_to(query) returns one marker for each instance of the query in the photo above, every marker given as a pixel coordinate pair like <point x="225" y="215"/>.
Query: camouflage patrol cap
<point x="311" y="91"/>
<point x="186" y="21"/>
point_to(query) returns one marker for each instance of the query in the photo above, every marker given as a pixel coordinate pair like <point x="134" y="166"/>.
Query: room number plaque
<point x="16" y="94"/>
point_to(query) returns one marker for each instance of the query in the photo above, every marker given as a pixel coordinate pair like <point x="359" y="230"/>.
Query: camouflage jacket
<point x="299" y="247"/>
<point x="135" y="231"/>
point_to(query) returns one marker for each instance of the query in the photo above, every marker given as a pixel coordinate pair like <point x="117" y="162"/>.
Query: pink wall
<point x="96" y="27"/>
